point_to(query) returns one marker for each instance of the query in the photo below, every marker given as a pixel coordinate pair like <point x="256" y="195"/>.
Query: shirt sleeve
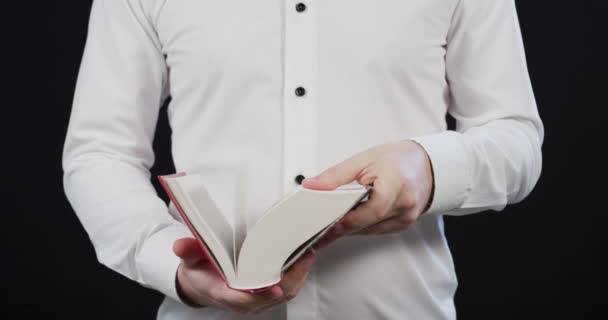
<point x="108" y="149"/>
<point x="494" y="156"/>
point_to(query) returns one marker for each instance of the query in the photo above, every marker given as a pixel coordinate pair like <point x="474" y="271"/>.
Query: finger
<point x="274" y="292"/>
<point x="343" y="173"/>
<point x="245" y="302"/>
<point x="395" y="224"/>
<point x="189" y="251"/>
<point x="378" y="208"/>
<point x="276" y="298"/>
<point x="332" y="235"/>
<point x="248" y="302"/>
<point x="367" y="177"/>
<point x="295" y="277"/>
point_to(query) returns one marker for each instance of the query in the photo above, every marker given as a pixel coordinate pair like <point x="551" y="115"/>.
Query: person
<point x="322" y="93"/>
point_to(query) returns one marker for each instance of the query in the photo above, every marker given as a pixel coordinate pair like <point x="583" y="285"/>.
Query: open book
<point x="255" y="259"/>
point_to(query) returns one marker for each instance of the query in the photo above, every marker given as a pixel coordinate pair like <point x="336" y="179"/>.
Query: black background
<point x="541" y="258"/>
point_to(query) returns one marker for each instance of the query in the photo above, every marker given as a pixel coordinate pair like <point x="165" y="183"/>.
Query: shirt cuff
<point x="451" y="170"/>
<point x="158" y="263"/>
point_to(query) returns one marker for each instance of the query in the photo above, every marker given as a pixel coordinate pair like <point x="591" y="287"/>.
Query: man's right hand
<point x="199" y="284"/>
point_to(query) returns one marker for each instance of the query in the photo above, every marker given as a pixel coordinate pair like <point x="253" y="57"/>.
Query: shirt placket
<point x="300" y="92"/>
<point x="300" y="120"/>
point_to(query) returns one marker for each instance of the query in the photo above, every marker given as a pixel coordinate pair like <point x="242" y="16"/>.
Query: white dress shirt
<point x="369" y="73"/>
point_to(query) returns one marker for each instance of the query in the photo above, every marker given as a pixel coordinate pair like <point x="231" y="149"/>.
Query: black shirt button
<point x="299" y="178"/>
<point x="300" y="91"/>
<point x="300" y="7"/>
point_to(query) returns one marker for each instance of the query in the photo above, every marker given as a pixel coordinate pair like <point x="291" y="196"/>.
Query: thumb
<point x="343" y="173"/>
<point x="189" y="251"/>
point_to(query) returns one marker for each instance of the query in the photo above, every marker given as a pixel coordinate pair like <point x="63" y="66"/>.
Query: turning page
<point x="207" y="220"/>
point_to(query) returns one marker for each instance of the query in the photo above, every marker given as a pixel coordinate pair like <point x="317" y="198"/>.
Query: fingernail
<point x="309" y="180"/>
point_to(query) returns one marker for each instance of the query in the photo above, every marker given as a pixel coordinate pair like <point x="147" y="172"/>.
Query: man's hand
<point x="199" y="284"/>
<point x="402" y="186"/>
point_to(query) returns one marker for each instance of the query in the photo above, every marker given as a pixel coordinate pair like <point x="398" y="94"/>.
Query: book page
<point x="207" y="210"/>
<point x="287" y="229"/>
<point x="240" y="216"/>
<point x="303" y="247"/>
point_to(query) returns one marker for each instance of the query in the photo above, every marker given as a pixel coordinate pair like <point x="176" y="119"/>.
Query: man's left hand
<point x="402" y="181"/>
